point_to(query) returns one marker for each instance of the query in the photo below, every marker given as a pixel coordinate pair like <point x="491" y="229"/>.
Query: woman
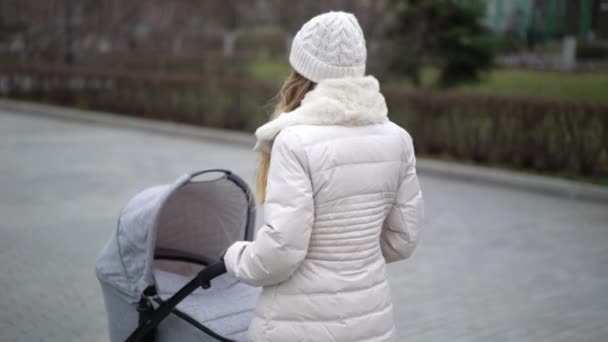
<point x="340" y="193"/>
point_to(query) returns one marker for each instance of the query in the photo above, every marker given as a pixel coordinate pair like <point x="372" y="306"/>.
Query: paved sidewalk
<point x="494" y="264"/>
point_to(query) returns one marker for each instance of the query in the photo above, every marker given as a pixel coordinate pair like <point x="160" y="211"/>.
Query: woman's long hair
<point x="291" y="94"/>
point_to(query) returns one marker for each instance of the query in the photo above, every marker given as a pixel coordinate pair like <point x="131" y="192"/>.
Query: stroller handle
<point x="196" y="174"/>
<point x="202" y="279"/>
<point x="213" y="271"/>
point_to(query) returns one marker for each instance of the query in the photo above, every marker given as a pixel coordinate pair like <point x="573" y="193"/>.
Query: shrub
<point x="223" y="102"/>
<point x="591" y="51"/>
<point x="508" y="45"/>
<point x="558" y="137"/>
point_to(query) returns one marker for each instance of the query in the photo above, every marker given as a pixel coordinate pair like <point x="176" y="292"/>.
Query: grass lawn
<point x="269" y="70"/>
<point x="578" y="86"/>
<point x="581" y="86"/>
<point x="587" y="86"/>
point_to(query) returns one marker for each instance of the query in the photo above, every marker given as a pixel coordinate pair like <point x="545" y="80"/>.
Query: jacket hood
<point x="348" y="101"/>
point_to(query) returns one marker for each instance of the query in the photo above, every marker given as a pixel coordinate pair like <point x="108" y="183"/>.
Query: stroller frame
<point x="149" y="316"/>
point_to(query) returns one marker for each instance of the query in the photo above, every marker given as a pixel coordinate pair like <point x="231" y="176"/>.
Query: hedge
<point x="224" y="102"/>
<point x="566" y="138"/>
<point x="558" y="137"/>
<point x="591" y="51"/>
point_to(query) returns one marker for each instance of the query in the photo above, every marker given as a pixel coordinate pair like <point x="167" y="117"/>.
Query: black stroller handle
<point x="202" y="279"/>
<point x="224" y="171"/>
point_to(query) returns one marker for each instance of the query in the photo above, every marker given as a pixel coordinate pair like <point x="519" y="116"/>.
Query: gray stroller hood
<point x="188" y="221"/>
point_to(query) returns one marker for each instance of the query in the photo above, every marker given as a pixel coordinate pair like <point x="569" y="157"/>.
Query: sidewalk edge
<point x="128" y="122"/>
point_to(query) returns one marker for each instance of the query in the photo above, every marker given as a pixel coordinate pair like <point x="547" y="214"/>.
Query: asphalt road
<point x="494" y="264"/>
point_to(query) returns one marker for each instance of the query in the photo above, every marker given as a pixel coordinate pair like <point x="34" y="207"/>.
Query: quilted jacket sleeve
<point x="281" y="244"/>
<point x="402" y="226"/>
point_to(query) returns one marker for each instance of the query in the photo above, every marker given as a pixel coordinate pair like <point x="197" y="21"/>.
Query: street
<point x="494" y="264"/>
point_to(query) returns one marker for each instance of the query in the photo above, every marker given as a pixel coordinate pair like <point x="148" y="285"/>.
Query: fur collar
<point x="349" y="101"/>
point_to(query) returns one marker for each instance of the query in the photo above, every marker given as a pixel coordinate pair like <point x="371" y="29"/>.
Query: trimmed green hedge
<point x="557" y="137"/>
<point x="223" y="102"/>
<point x="591" y="51"/>
<point x="566" y="138"/>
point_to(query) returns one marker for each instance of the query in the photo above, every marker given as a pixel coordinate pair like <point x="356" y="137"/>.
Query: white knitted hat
<point x="330" y="45"/>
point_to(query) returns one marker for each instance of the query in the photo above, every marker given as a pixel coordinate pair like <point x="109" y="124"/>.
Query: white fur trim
<point x="347" y="101"/>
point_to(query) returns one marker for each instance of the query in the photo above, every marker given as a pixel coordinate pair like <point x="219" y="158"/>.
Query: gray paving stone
<point x="494" y="264"/>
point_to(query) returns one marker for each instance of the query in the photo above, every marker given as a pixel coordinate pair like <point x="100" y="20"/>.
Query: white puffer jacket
<point x="342" y="200"/>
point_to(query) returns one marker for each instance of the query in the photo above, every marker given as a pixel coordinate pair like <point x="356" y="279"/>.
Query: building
<point x="549" y="19"/>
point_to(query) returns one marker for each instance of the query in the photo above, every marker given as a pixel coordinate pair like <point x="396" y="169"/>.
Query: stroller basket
<point x="159" y="272"/>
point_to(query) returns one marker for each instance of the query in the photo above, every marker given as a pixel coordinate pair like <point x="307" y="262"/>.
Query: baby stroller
<point x="159" y="272"/>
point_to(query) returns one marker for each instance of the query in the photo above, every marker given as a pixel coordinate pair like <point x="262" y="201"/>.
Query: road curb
<point x="427" y="167"/>
<point x="513" y="180"/>
<point x="128" y="122"/>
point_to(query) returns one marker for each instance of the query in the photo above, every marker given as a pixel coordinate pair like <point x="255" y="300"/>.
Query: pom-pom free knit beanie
<point x="330" y="45"/>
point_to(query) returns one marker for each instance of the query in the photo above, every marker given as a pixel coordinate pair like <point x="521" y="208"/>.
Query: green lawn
<point x="583" y="86"/>
<point x="269" y="70"/>
<point x="568" y="86"/>
<point x="579" y="86"/>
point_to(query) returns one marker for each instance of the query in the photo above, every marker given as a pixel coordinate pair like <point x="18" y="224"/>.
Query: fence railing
<point x="560" y="137"/>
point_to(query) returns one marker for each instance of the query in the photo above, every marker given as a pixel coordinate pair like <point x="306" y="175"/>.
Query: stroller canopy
<point x="186" y="220"/>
